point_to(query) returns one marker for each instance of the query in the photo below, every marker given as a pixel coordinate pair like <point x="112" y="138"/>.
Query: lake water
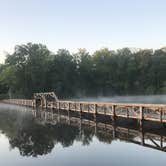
<point x="154" y="99"/>
<point x="32" y="137"/>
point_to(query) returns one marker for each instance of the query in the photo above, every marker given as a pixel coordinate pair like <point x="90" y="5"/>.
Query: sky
<point x="90" y="24"/>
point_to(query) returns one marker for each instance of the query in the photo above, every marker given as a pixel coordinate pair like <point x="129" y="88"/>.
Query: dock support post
<point x="58" y="115"/>
<point x="95" y="127"/>
<point x="141" y="117"/>
<point x="95" y="112"/>
<point x="113" y="118"/>
<point x="80" y="110"/>
<point x="59" y="105"/>
<point x="68" y="111"/>
<point x="142" y="138"/>
<point x="161" y="142"/>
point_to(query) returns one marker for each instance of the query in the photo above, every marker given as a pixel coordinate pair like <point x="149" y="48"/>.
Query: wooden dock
<point x="140" y="112"/>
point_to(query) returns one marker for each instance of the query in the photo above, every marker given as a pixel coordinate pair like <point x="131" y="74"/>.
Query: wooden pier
<point x="152" y="112"/>
<point x="140" y="112"/>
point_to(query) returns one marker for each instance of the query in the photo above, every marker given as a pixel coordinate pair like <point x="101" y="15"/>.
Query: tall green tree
<point x="30" y="65"/>
<point x="62" y="73"/>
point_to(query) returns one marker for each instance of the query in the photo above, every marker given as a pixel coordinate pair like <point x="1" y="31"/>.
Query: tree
<point x="30" y="64"/>
<point x="62" y="73"/>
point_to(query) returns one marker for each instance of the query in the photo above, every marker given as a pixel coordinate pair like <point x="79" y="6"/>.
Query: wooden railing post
<point x="141" y="113"/>
<point x="113" y="110"/>
<point x="59" y="105"/>
<point x="95" y="112"/>
<point x="161" y="115"/>
<point x="141" y="116"/>
<point x="69" y="106"/>
<point x="68" y="111"/>
<point x="80" y="107"/>
<point x="95" y="109"/>
<point x="75" y="106"/>
<point x="127" y="112"/>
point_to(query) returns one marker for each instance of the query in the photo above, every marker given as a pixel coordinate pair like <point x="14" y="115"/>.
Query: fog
<point x="156" y="99"/>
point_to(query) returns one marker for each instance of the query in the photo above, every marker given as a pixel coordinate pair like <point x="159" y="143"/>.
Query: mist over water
<point x="151" y="99"/>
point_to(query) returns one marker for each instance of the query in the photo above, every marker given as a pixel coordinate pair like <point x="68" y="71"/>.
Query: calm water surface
<point x="29" y="137"/>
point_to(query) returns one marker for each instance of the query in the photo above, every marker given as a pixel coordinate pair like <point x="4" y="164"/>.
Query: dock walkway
<point x="138" y="111"/>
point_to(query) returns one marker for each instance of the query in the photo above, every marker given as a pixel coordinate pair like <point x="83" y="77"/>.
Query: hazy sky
<point x="89" y="24"/>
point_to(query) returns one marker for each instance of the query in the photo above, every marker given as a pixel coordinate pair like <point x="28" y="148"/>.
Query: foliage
<point x="33" y="68"/>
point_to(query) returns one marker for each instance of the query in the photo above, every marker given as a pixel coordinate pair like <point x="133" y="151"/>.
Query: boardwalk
<point x="141" y="112"/>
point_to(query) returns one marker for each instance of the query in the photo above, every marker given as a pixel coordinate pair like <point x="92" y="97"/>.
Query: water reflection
<point x="36" y="132"/>
<point x="106" y="131"/>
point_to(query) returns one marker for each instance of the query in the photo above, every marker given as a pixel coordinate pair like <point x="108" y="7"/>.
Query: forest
<point x="34" y="68"/>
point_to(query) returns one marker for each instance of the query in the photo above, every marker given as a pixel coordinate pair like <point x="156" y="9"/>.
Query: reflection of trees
<point x="12" y="121"/>
<point x="86" y="135"/>
<point x="64" y="134"/>
<point x="39" y="139"/>
<point x="33" y="138"/>
<point x="36" y="140"/>
<point x="104" y="137"/>
<point x="29" y="137"/>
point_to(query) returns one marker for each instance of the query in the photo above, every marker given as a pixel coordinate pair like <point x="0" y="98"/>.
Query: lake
<point x="35" y="137"/>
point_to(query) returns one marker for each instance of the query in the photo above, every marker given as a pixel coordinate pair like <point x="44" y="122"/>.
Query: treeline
<point x="33" y="68"/>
